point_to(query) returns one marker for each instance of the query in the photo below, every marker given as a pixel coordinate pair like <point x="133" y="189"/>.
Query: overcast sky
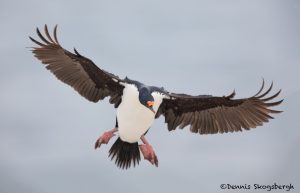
<point x="47" y="130"/>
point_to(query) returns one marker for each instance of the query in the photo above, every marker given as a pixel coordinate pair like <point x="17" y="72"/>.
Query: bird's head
<point x="146" y="99"/>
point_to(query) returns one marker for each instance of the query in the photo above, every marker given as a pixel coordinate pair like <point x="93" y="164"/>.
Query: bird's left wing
<point x="208" y="115"/>
<point x="76" y="70"/>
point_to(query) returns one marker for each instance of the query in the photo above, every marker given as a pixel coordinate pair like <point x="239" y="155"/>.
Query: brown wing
<point x="209" y="115"/>
<point x="76" y="70"/>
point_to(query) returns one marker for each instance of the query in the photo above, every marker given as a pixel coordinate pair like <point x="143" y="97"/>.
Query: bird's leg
<point x="148" y="151"/>
<point x="105" y="137"/>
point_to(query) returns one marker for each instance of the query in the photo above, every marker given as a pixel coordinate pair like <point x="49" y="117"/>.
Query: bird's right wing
<point x="76" y="70"/>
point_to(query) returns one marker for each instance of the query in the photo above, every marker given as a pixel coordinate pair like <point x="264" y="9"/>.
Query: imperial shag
<point x="138" y="104"/>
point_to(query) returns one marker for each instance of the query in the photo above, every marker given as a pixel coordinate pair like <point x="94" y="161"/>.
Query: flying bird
<point x="138" y="105"/>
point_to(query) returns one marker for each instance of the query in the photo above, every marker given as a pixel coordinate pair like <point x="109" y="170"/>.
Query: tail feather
<point x="125" y="153"/>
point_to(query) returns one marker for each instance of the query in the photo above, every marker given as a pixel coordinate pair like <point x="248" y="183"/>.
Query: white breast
<point x="134" y="119"/>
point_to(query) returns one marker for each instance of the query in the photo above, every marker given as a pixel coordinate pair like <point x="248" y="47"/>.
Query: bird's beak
<point x="150" y="103"/>
<point x="150" y="106"/>
<point x="151" y="109"/>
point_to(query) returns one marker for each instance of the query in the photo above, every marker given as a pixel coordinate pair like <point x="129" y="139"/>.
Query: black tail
<point x="125" y="153"/>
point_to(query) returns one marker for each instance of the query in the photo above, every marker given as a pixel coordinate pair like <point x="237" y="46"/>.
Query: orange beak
<point x="150" y="103"/>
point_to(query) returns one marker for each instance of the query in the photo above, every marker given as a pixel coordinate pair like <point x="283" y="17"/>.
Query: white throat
<point x="134" y="119"/>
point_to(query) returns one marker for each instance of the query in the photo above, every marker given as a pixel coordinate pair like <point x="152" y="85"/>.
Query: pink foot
<point x="104" y="138"/>
<point x="149" y="154"/>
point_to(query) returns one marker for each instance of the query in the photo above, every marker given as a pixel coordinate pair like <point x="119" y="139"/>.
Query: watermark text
<point x="267" y="187"/>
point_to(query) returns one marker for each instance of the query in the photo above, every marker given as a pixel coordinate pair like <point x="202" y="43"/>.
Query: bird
<point x="138" y="105"/>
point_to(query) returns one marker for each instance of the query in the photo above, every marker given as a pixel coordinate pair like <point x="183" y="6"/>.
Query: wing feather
<point x="76" y="70"/>
<point x="208" y="114"/>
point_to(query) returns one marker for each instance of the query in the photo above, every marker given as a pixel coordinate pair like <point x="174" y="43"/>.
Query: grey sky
<point x="47" y="130"/>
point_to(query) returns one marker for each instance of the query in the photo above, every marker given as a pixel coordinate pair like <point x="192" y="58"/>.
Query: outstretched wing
<point x="208" y="115"/>
<point x="76" y="70"/>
